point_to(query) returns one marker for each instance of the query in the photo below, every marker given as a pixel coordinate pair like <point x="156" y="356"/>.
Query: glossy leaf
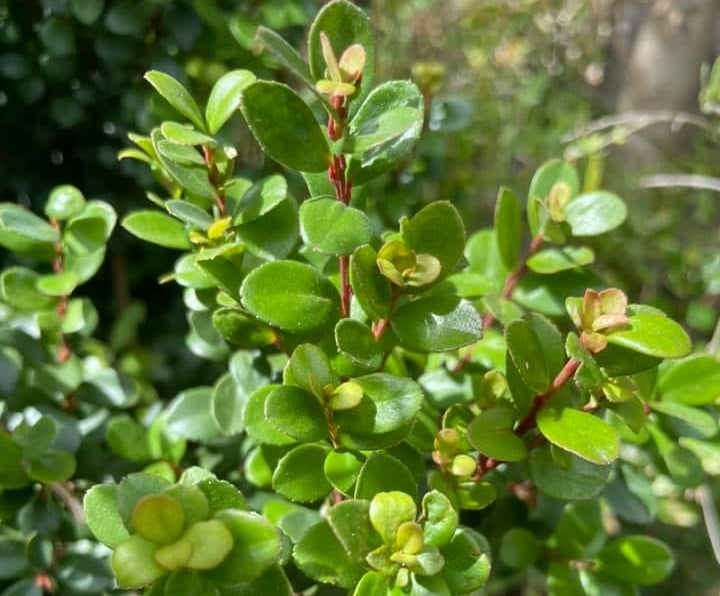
<point x="637" y="559"/>
<point x="508" y="230"/>
<point x="526" y="351"/>
<point x="189" y="415"/>
<point x="552" y="260"/>
<point x="258" y="199"/>
<point x="103" y="517"/>
<point x="371" y="289"/>
<point x="290" y="295"/>
<point x="285" y="126"/>
<point x="583" y="434"/>
<point x="437" y="323"/>
<point x="491" y="433"/>
<point x="577" y="479"/>
<point x="699" y="420"/>
<point x="356" y="341"/>
<point x="595" y="213"/>
<point x="64" y="202"/>
<point x="330" y="227"/>
<point x="299" y="475"/>
<point x="176" y="95"/>
<point x="273" y="235"/>
<point x="286" y="54"/>
<point x="383" y="473"/>
<point x="296" y="413"/>
<point x="653" y="334"/>
<point x="189" y="213"/>
<point x="225" y="97"/>
<point x="693" y="381"/>
<point x="158" y="228"/>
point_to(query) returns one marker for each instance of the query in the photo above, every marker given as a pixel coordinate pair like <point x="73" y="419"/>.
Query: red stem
<point x="343" y="192"/>
<point x="485" y="464"/>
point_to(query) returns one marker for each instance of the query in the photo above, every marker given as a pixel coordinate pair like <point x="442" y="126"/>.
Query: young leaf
<point x="290" y="295"/>
<point x="333" y="228"/>
<point x="64" y="202"/>
<point x="225" y="97"/>
<point x="420" y="234"/>
<point x="344" y="24"/>
<point x="508" y="230"/>
<point x="103" y="517"/>
<point x="158" y="228"/>
<point x="177" y="96"/>
<point x="285" y="127"/>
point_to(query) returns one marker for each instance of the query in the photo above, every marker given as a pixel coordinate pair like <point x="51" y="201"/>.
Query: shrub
<point x="402" y="411"/>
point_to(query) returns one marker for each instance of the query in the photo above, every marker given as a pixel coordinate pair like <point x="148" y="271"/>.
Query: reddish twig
<point x="485" y="464"/>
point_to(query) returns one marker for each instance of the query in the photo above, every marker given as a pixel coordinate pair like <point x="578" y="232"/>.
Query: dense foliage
<point x="390" y="406"/>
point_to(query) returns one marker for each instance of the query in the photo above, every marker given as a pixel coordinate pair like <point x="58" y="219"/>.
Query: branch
<point x="71" y="501"/>
<point x="681" y="181"/>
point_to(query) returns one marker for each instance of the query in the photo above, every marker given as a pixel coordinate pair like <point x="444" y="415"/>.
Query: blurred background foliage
<point x="612" y="84"/>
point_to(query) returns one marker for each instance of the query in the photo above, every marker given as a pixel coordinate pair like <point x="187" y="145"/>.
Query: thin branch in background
<point x="681" y="181"/>
<point x="714" y="346"/>
<point x="704" y="497"/>
<point x="639" y="120"/>
<point x="72" y="503"/>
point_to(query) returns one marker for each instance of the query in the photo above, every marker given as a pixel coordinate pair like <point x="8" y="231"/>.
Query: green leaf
<point x="636" y="559"/>
<point x="341" y="469"/>
<point x="158" y="228"/>
<point x="18" y="289"/>
<point x="333" y="228"/>
<point x="290" y="295"/>
<point x="421" y="234"/>
<point x="241" y="330"/>
<point x="299" y="474"/>
<point x="285" y="126"/>
<point x="184" y="134"/>
<point x="223" y="264"/>
<point x="552" y="260"/>
<point x="319" y="554"/>
<point x="255" y="422"/>
<point x="578" y="479"/>
<point x="52" y="466"/>
<point x="371" y="288"/>
<point x="384" y="130"/>
<point x="595" y="213"/>
<point x="297" y="414"/>
<point x="357" y="343"/>
<point x="388" y="510"/>
<point x="699" y="420"/>
<point x="88" y="232"/>
<point x="467" y="561"/>
<point x="350" y="521"/>
<point x="382" y="473"/>
<point x="35" y="439"/>
<point x="24" y="232"/>
<point x="177" y="96"/>
<point x="257" y="546"/>
<point x="373" y="583"/>
<point x="274" y="234"/>
<point x="133" y="563"/>
<point x="441" y="519"/>
<point x="87" y="11"/>
<point x="559" y="177"/>
<point x="103" y="516"/>
<point x="128" y="438"/>
<point x="159" y="518"/>
<point x="437" y="323"/>
<point x="508" y="227"/>
<point x="491" y="433"/>
<point x="527" y="353"/>
<point x="193" y="179"/>
<point x="257" y="200"/>
<point x="653" y="334"/>
<point x="617" y="361"/>
<point x="344" y="24"/>
<point x="580" y="433"/>
<point x="384" y="415"/>
<point x="694" y="380"/>
<point x="64" y="202"/>
<point x="189" y="415"/>
<point x="189" y="213"/>
<point x="519" y="548"/>
<point x="225" y="97"/>
<point x="57" y="284"/>
<point x="180" y="155"/>
<point x="309" y="368"/>
<point x="287" y="55"/>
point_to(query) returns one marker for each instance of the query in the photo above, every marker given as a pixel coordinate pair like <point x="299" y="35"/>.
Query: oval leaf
<point x="158" y="228"/>
<point x="580" y="433"/>
<point x="225" y="97"/>
<point x="333" y="228"/>
<point x="595" y="213"/>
